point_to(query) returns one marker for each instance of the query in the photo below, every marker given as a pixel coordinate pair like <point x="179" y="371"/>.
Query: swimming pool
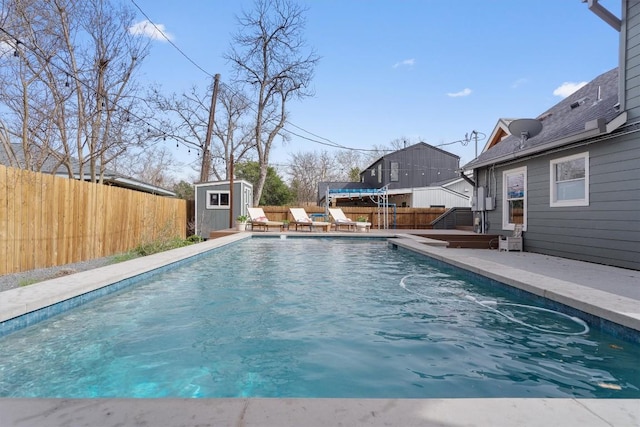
<point x="313" y="318"/>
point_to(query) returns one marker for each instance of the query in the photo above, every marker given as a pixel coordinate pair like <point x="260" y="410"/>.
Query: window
<point x="217" y="200"/>
<point x="394" y="172"/>
<point x="569" y="180"/>
<point x="380" y="173"/>
<point x="514" y="205"/>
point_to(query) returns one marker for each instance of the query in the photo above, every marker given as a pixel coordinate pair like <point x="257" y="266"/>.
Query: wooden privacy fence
<point x="47" y="220"/>
<point x="401" y="218"/>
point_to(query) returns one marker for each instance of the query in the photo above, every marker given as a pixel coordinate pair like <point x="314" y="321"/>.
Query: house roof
<point x="500" y="131"/>
<point x="445" y="183"/>
<point x="581" y="115"/>
<point x="51" y="165"/>
<point x="411" y="147"/>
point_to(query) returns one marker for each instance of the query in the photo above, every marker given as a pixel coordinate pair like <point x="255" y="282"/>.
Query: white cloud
<point x="464" y="92"/>
<point x="519" y="83"/>
<point x="147" y="29"/>
<point x="567" y="88"/>
<point x="406" y="63"/>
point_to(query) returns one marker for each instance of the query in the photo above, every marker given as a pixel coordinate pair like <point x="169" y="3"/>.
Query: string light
<point x="326" y="142"/>
<point x="74" y="77"/>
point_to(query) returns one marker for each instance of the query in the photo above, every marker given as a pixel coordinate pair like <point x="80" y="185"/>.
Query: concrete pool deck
<point x="609" y="291"/>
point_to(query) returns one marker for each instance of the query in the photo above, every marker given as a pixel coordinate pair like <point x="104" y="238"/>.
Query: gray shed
<point x="217" y="206"/>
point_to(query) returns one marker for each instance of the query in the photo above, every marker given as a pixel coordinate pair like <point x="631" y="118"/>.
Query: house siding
<point x="208" y="220"/>
<point x="631" y="59"/>
<point x="435" y="196"/>
<point x="462" y="187"/>
<point x="418" y="166"/>
<point x="608" y="230"/>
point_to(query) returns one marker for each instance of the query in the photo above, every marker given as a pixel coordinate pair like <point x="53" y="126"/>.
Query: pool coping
<point x="320" y="412"/>
<point x="501" y="412"/>
<point x="20" y="301"/>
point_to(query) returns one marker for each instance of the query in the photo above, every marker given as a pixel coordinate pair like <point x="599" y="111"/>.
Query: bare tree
<point x="71" y="89"/>
<point x="185" y="119"/>
<point x="269" y="56"/>
<point x="349" y="163"/>
<point x="378" y="151"/>
<point x="308" y="169"/>
<point x="154" y="165"/>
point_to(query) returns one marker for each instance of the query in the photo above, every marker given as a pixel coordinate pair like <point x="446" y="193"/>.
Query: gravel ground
<point x="15" y="280"/>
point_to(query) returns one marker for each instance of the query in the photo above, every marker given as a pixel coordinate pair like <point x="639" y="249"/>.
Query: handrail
<point x="442" y="221"/>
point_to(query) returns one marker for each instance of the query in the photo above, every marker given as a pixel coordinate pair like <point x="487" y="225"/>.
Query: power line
<point x="114" y="105"/>
<point x="328" y="142"/>
<point x="170" y="41"/>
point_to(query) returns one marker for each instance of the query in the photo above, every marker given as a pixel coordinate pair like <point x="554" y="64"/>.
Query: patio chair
<point x="511" y="243"/>
<point x="341" y="220"/>
<point x="300" y="218"/>
<point x="260" y="220"/>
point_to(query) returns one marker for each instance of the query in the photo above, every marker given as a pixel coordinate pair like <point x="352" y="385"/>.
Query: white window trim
<point x="505" y="203"/>
<point x="553" y="202"/>
<point x="208" y="198"/>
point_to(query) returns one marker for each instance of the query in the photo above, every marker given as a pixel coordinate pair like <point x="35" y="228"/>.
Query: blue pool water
<point x="267" y="317"/>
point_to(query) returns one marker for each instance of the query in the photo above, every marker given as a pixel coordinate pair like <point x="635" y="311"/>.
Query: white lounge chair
<point x="511" y="243"/>
<point x="259" y="219"/>
<point x="300" y="218"/>
<point x="341" y="220"/>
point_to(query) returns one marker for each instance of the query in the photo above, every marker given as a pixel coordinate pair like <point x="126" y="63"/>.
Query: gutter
<point x="604" y="14"/>
<point x="134" y="184"/>
<point x="129" y="183"/>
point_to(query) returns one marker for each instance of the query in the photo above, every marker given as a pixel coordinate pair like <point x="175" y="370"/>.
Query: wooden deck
<point x="462" y="239"/>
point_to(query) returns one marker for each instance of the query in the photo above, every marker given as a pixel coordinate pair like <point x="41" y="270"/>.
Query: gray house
<point x="416" y="176"/>
<point x="575" y="185"/>
<point x="418" y="165"/>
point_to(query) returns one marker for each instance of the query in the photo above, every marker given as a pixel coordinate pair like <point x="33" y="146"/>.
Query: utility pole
<point x="231" y="213"/>
<point x="206" y="157"/>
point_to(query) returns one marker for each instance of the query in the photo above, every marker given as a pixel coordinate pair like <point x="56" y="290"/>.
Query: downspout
<point x="616" y="23"/>
<point x="604" y="14"/>
<point x="466" y="178"/>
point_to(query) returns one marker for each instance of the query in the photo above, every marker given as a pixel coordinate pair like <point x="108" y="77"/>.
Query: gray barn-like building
<point x="418" y="165"/>
<point x="420" y="175"/>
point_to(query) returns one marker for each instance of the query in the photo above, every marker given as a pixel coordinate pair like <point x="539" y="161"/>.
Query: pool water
<point x="314" y="317"/>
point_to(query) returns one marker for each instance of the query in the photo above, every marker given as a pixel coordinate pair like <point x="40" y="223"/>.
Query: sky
<point x="416" y="70"/>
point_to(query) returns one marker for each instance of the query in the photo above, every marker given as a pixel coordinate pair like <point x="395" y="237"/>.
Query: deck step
<point x="468" y="241"/>
<point x="216" y="234"/>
